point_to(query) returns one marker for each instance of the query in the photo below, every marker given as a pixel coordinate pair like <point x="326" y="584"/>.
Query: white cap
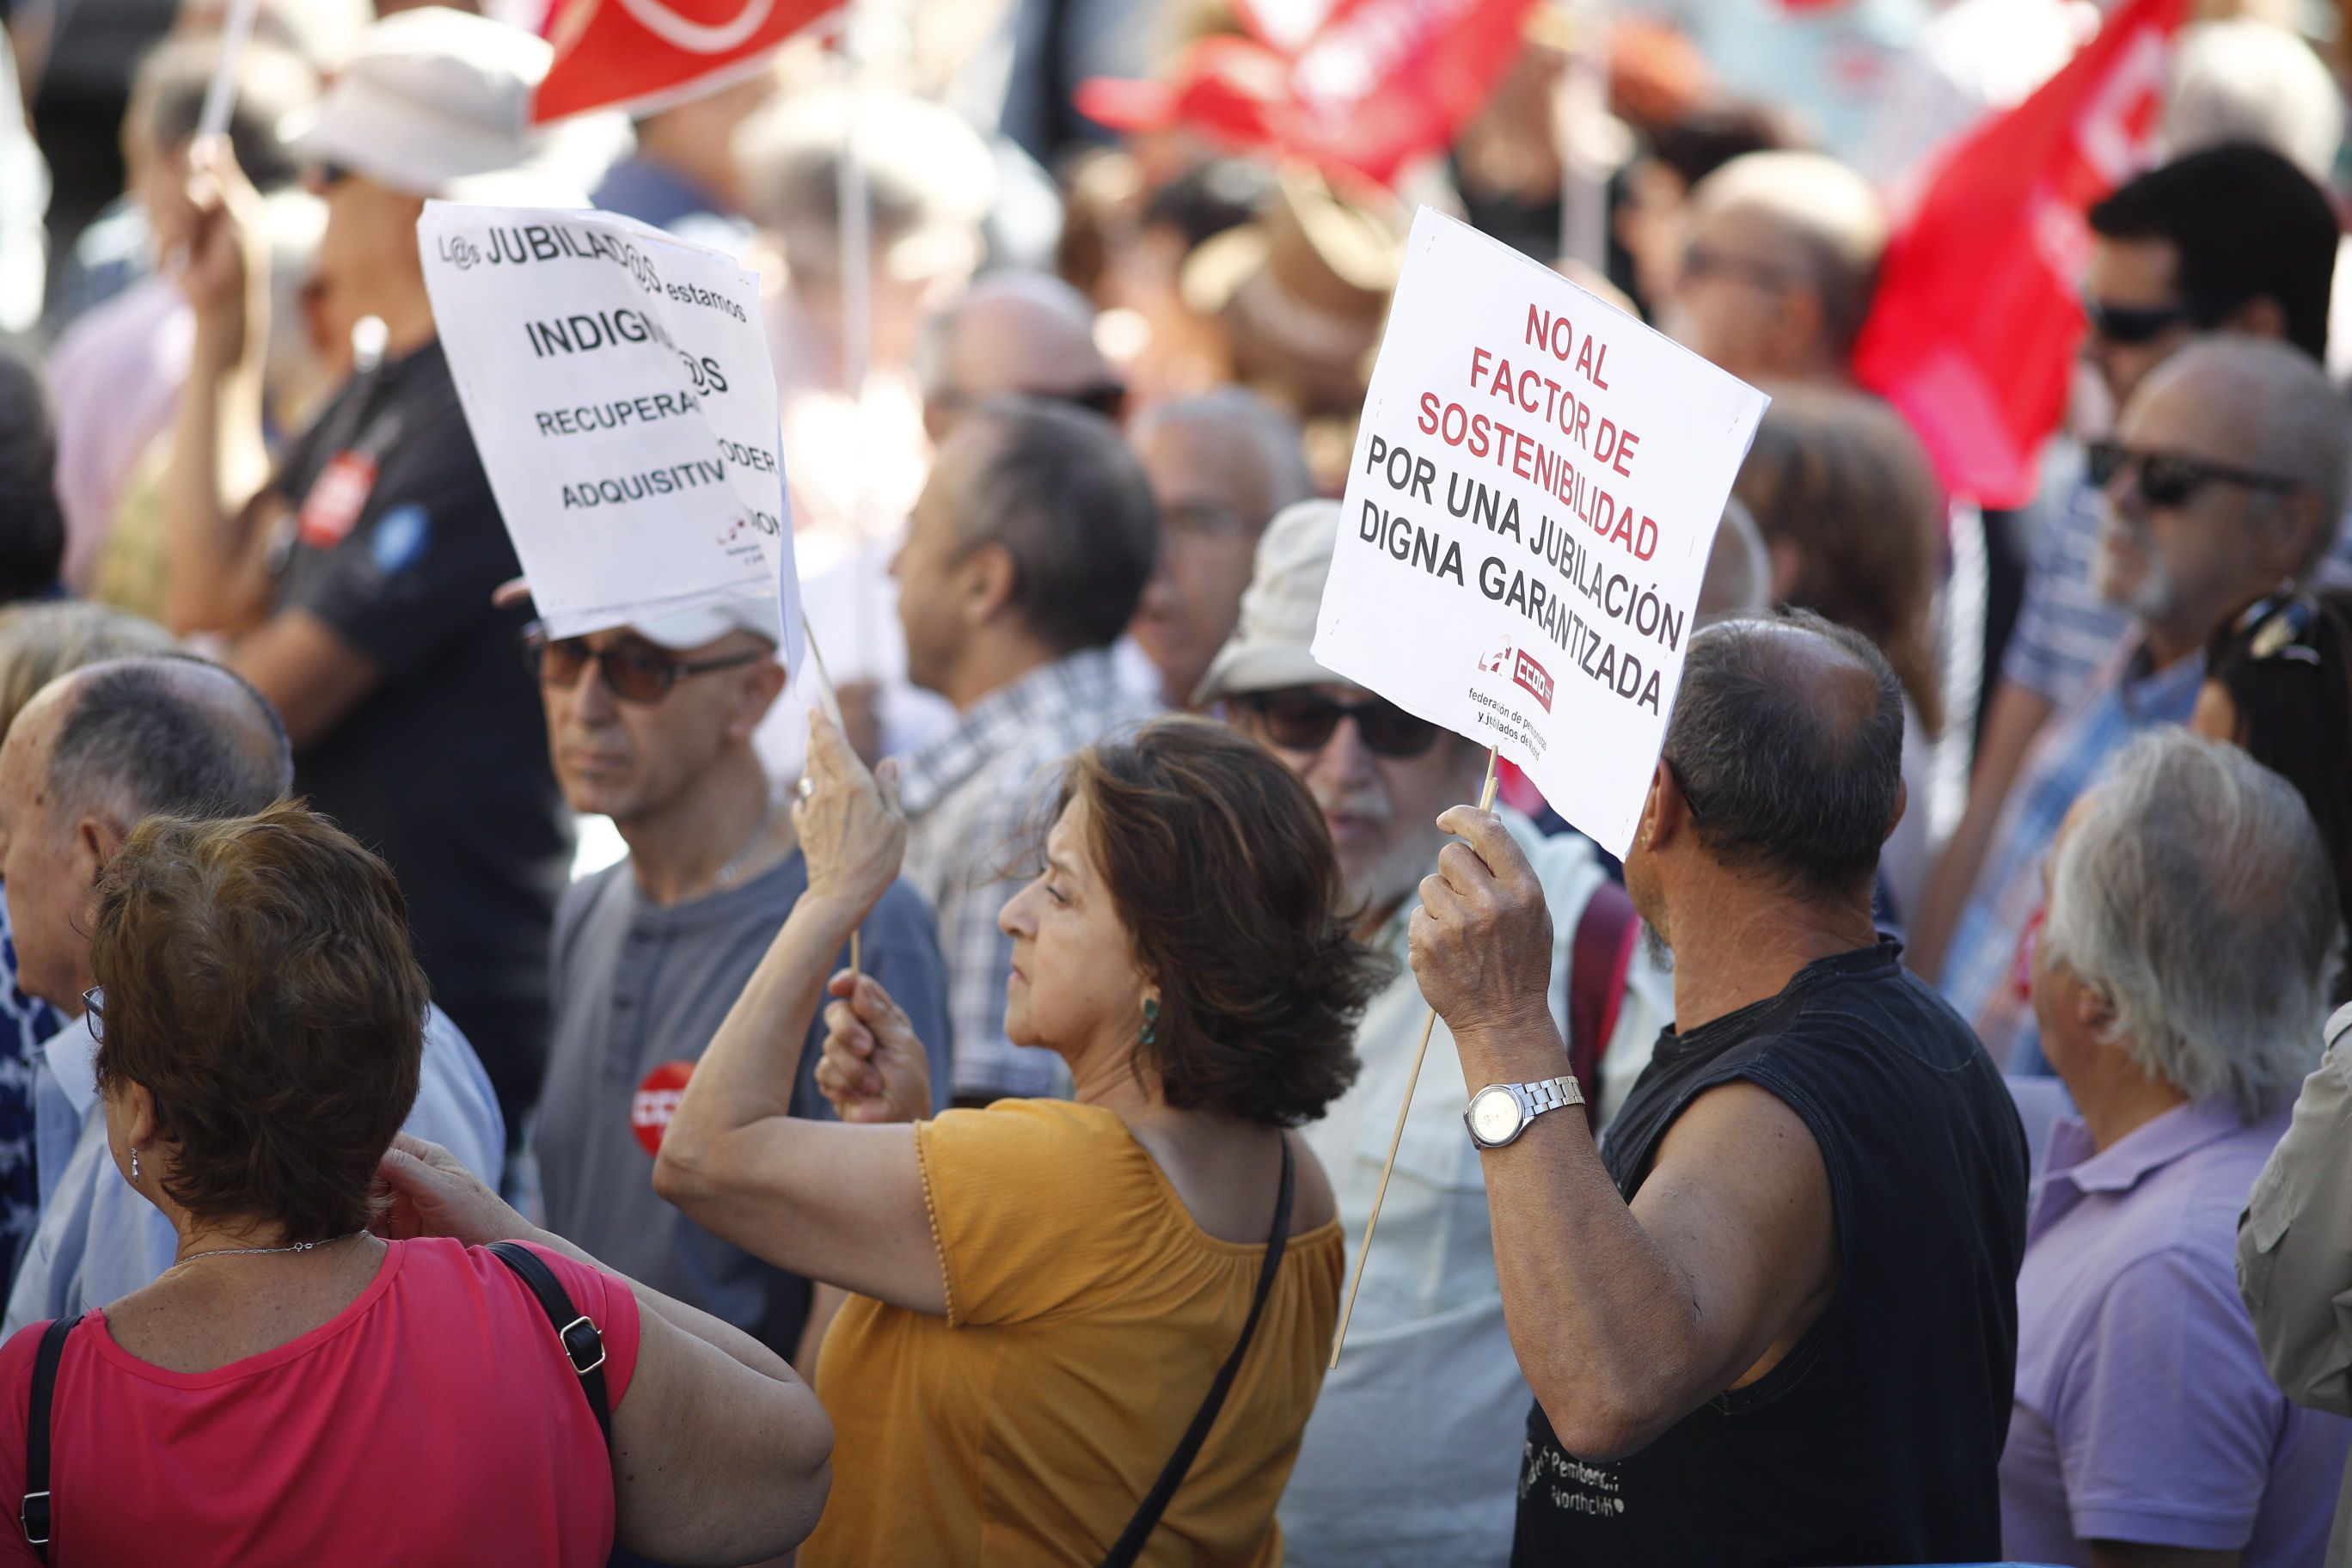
<point x="1272" y="645"/>
<point x="682" y="629"/>
<point x="435" y="102"/>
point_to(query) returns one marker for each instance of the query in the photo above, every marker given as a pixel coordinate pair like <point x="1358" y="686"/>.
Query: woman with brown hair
<point x="1054" y="1298"/>
<point x="299" y="1388"/>
<point x="1852" y="518"/>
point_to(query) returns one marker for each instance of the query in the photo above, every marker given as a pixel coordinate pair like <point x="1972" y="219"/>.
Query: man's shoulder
<point x="584" y="898"/>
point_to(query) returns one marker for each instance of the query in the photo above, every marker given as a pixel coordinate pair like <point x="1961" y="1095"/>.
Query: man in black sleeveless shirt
<point x="1775" y="1321"/>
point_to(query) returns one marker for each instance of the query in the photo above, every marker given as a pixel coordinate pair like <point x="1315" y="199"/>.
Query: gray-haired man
<point x="1805" y="1229"/>
<point x="90" y="757"/>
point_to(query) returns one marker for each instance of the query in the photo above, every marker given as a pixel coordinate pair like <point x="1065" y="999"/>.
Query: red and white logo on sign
<point x="1495" y="663"/>
<point x="655" y="1102"/>
<point x="337" y="497"/>
<point x="1526" y="672"/>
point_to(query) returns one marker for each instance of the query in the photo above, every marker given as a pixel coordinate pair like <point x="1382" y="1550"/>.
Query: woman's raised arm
<point x="840" y="1203"/>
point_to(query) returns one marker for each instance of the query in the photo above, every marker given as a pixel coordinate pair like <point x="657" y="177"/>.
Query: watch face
<point x="1494" y="1115"/>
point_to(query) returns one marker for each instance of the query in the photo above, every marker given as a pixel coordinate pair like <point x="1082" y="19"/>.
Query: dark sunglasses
<point x="2169" y="479"/>
<point x="1303" y="721"/>
<point x="1698" y="261"/>
<point x="2131" y="325"/>
<point x="635" y="672"/>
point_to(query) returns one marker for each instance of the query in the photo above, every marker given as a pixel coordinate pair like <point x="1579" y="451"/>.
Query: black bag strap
<point x="583" y="1344"/>
<point x="33" y="1515"/>
<point x="1129" y="1545"/>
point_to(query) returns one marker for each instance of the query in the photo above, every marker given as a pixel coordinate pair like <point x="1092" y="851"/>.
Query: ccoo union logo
<point x="1534" y="677"/>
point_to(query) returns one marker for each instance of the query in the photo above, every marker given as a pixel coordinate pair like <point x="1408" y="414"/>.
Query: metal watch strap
<point x="1552" y="1094"/>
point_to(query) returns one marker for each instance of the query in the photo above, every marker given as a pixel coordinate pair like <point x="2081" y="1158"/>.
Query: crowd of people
<point x="469" y="1095"/>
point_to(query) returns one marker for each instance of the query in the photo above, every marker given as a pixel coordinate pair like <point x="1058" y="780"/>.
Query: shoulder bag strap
<point x="583" y="1344"/>
<point x="1597" y="956"/>
<point x="1129" y="1545"/>
<point x="33" y="1515"/>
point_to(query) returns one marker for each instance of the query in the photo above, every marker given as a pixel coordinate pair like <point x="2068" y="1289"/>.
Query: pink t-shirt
<point x="435" y="1420"/>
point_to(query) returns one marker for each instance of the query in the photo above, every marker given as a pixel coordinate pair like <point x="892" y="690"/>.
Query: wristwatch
<point x="1499" y="1113"/>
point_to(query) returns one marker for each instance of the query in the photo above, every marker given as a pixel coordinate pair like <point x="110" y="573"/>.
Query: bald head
<point x="1014" y="332"/>
<point x="1791" y="225"/>
<point x="1787" y="743"/>
<point x="163" y="736"/>
<point x="2268" y="406"/>
<point x="90" y="757"/>
<point x="1230" y="444"/>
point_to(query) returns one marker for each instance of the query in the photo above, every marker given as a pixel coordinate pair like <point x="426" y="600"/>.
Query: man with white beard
<point x="1412" y="1455"/>
<point x="2222" y="486"/>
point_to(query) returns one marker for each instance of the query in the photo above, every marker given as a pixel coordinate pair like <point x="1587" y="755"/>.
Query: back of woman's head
<point x="1846" y="500"/>
<point x="257" y="983"/>
<point x="1221" y="869"/>
<point x="2287" y="667"/>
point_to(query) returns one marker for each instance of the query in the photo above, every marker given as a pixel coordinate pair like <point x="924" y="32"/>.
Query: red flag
<point x="1978" y="313"/>
<point x="640" y="55"/>
<point x="1376" y="84"/>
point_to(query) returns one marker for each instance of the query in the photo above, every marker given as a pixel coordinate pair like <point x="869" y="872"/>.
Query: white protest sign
<point x="1536" y="481"/>
<point x="617" y="382"/>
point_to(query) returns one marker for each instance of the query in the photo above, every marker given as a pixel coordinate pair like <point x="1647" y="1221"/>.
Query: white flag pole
<point x="220" y="94"/>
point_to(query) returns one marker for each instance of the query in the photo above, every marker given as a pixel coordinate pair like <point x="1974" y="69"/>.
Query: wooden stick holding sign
<point x="830" y="701"/>
<point x="1396" y="1139"/>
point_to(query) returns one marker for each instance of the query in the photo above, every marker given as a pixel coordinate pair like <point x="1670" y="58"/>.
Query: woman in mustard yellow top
<point x="1046" y="1290"/>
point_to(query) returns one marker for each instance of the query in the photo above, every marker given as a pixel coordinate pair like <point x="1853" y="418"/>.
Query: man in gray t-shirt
<point x="651" y="724"/>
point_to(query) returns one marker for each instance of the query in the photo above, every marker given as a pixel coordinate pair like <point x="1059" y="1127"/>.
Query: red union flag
<point x="640" y="55"/>
<point x="1374" y="85"/>
<point x="1978" y="315"/>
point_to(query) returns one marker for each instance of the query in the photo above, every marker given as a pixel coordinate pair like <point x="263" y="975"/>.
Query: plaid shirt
<point x="975" y="797"/>
<point x="2123" y="698"/>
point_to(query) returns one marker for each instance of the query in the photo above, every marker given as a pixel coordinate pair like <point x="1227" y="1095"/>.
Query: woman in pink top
<point x="305" y="1386"/>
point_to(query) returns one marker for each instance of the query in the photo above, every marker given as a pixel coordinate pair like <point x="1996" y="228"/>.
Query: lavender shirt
<point x="2142" y="1412"/>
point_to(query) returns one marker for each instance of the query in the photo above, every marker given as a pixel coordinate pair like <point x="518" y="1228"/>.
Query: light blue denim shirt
<point x="98" y="1240"/>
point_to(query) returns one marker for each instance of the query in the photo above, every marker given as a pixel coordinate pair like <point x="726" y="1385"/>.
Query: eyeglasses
<point x="634" y="672"/>
<point x="1204" y="520"/>
<point x="2170" y="478"/>
<point x="1107" y="398"/>
<point x="1690" y="801"/>
<point x="1303" y="721"/>
<point x="1699" y="261"/>
<point x="93" y="1007"/>
<point x="2132" y="325"/>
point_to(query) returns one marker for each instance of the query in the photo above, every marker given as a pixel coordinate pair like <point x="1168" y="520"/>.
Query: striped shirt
<point x="976" y="797"/>
<point x="2123" y="698"/>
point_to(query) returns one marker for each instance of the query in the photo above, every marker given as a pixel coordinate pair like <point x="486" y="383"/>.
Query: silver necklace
<point x="235" y="1251"/>
<point x="734" y="867"/>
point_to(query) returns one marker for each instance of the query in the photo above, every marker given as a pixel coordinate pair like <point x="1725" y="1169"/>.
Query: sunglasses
<point x="1699" y="262"/>
<point x="2169" y="479"/>
<point x="1303" y="721"/>
<point x="2130" y="325"/>
<point x="635" y="672"/>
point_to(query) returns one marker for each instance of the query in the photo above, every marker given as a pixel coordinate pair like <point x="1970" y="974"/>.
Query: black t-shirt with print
<point x="1878" y="1439"/>
<point x="442" y="768"/>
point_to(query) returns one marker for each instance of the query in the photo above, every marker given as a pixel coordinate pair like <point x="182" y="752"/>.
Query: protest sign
<point x="617" y="382"/>
<point x="1536" y="481"/>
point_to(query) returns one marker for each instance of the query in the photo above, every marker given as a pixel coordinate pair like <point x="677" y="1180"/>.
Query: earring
<point x="134" y="1162"/>
<point x="1151" y="1020"/>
